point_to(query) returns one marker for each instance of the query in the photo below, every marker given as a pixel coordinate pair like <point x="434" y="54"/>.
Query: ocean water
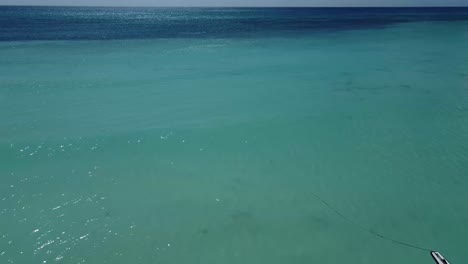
<point x="164" y="135"/>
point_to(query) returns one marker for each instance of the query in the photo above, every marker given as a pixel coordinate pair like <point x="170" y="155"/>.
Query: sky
<point x="331" y="3"/>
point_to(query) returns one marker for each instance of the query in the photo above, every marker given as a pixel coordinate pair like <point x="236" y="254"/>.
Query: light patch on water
<point x="45" y="244"/>
<point x="165" y="137"/>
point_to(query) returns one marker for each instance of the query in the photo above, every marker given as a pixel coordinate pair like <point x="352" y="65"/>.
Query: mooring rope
<point x="347" y="219"/>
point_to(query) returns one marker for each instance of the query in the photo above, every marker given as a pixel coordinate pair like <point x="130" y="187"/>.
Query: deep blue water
<point x="88" y="23"/>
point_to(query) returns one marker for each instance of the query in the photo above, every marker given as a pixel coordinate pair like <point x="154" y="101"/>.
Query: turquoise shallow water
<point x="210" y="150"/>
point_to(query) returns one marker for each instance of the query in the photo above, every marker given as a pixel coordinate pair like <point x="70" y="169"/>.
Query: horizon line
<point x="240" y="6"/>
